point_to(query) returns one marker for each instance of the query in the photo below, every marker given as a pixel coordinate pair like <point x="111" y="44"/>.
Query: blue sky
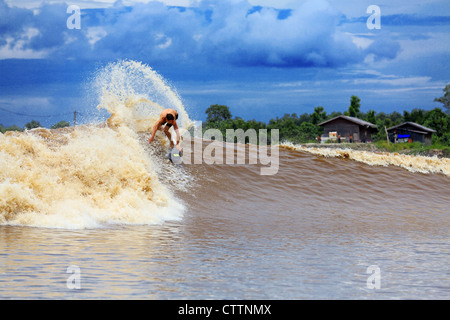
<point x="262" y="58"/>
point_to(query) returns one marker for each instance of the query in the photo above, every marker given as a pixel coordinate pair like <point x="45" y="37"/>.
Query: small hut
<point x="410" y="132"/>
<point x="348" y="128"/>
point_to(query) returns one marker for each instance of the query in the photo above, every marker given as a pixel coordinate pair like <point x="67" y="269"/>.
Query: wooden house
<point x="410" y="132"/>
<point x="349" y="128"/>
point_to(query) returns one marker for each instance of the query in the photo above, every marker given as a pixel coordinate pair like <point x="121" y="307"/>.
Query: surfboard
<point x="175" y="156"/>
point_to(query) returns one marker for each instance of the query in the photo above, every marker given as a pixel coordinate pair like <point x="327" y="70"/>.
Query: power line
<point x="41" y="116"/>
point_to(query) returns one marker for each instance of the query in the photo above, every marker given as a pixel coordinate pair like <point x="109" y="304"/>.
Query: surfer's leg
<point x="169" y="136"/>
<point x="160" y="128"/>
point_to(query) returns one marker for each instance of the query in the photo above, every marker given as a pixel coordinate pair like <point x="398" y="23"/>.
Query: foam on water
<point x="134" y="94"/>
<point x="95" y="175"/>
<point x="411" y="163"/>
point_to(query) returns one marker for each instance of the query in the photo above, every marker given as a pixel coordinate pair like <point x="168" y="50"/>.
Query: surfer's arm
<point x="177" y="132"/>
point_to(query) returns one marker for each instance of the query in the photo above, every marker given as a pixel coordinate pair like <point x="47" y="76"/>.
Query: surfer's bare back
<point x="167" y="119"/>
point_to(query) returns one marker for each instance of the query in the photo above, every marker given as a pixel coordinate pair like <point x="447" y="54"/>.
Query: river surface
<point x="311" y="231"/>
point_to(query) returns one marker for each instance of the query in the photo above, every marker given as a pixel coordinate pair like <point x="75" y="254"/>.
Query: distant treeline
<point x="32" y="125"/>
<point x="304" y="128"/>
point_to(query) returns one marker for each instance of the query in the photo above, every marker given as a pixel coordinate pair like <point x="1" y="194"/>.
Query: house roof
<point x="351" y="119"/>
<point x="416" y="125"/>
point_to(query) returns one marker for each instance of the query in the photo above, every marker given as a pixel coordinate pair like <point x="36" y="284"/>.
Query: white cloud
<point x="162" y="41"/>
<point x="351" y="8"/>
<point x="15" y="49"/>
<point x="94" y="34"/>
<point x="362" y="41"/>
<point x="85" y="4"/>
<point x="290" y="84"/>
<point x="396" y="81"/>
<point x="278" y="4"/>
<point x="435" y="43"/>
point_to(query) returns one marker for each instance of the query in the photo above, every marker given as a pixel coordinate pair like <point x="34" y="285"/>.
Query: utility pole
<point x="387" y="135"/>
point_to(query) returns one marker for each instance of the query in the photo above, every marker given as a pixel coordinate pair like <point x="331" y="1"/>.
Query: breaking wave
<point x="97" y="174"/>
<point x="420" y="164"/>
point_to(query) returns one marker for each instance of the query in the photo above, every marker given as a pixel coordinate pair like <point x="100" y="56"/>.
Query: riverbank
<point x="417" y="148"/>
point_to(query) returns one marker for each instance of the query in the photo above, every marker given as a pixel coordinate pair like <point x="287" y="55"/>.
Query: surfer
<point x="167" y="119"/>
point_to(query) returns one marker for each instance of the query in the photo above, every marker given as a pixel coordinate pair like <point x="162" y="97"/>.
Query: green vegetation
<point x="217" y="113"/>
<point x="304" y="128"/>
<point x="415" y="148"/>
<point x="61" y="124"/>
<point x="445" y="99"/>
<point x="32" y="125"/>
<point x="10" y="128"/>
<point x="353" y="109"/>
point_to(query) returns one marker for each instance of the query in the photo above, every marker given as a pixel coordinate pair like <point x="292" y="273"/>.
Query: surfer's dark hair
<point x="169" y="116"/>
